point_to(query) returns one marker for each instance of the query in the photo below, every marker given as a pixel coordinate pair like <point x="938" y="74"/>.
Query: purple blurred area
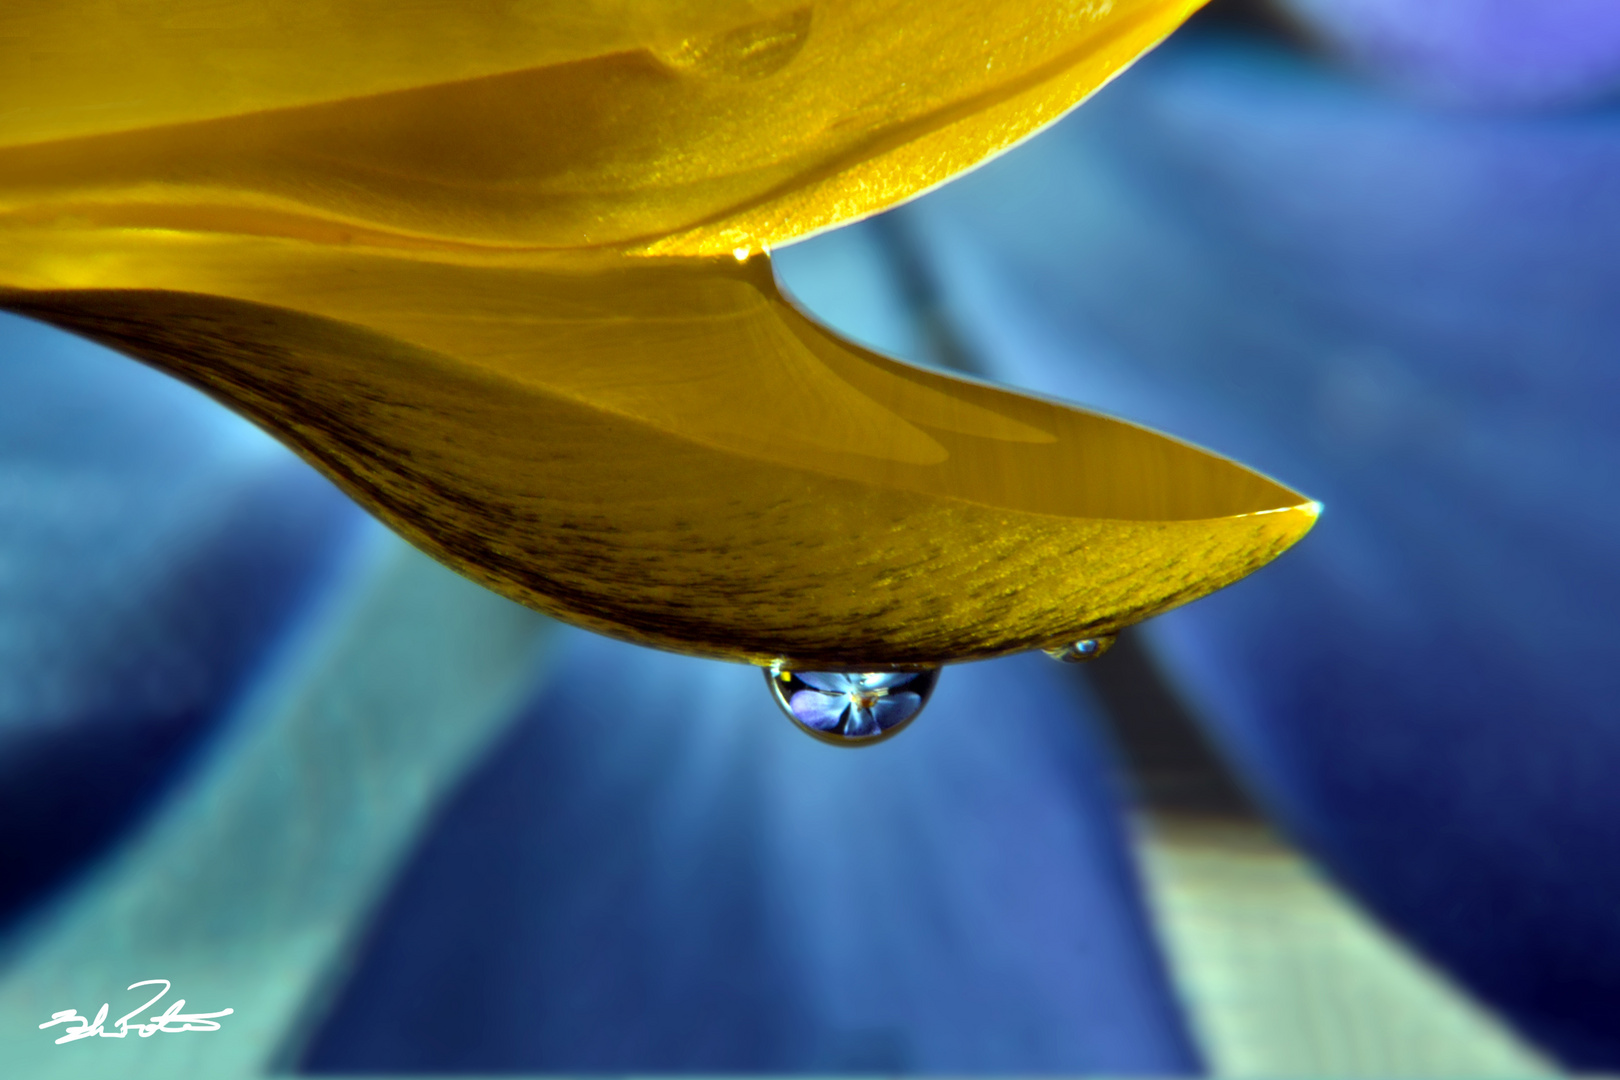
<point x="1476" y="52"/>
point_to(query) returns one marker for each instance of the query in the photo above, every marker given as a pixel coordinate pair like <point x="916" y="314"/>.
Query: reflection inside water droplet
<point x="851" y="708"/>
<point x="1086" y="649"/>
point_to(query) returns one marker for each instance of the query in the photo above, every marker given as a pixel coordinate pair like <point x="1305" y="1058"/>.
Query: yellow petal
<point x="696" y="127"/>
<point x="468" y="264"/>
<point x="666" y="450"/>
<point x="90" y="67"/>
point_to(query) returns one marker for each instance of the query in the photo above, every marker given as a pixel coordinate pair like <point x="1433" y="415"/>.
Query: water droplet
<point x="746" y="53"/>
<point x="851" y="708"/>
<point x="1086" y="649"/>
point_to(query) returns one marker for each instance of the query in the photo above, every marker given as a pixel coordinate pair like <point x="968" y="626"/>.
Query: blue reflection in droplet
<point x="851" y="708"/>
<point x="1079" y="652"/>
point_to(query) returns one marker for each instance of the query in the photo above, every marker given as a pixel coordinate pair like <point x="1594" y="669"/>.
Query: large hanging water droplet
<point x="1084" y="650"/>
<point x="851" y="708"/>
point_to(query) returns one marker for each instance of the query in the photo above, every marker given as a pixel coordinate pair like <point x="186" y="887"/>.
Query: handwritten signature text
<point x="170" y="1021"/>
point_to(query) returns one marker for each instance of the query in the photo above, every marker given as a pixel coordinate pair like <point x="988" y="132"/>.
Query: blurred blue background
<point x="1370" y="249"/>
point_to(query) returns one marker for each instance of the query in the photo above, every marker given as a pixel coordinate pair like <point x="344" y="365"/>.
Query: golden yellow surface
<point x="676" y="127"/>
<point x="476" y="264"/>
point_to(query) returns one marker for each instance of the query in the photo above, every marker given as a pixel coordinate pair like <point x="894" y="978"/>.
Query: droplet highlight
<point x="851" y="708"/>
<point x="1083" y="651"/>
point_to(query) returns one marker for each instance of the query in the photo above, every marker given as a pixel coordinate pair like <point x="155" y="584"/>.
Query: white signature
<point x="170" y="1021"/>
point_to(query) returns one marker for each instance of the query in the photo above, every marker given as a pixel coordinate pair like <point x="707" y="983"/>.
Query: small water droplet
<point x="755" y="51"/>
<point x="741" y="253"/>
<point x="1084" y="650"/>
<point x="851" y="708"/>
